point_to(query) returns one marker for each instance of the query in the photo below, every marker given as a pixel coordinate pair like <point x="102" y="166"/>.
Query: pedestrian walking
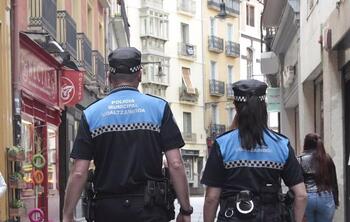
<point x="245" y="165"/>
<point x="125" y="134"/>
<point x="3" y="185"/>
<point x="320" y="178"/>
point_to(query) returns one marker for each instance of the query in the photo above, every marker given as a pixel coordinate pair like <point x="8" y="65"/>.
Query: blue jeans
<point x="320" y="207"/>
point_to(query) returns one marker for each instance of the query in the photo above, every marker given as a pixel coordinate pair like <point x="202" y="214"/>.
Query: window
<point x="101" y="38"/>
<point x="212" y="26"/>
<point x="186" y="80"/>
<point x="230" y="74"/>
<point x="213" y="70"/>
<point x="76" y="14"/>
<point x="318" y="84"/>
<point x="187" y="118"/>
<point x="90" y="24"/>
<point x="250" y="15"/>
<point x="229" y="32"/>
<point x="184" y="33"/>
<point x="215" y="114"/>
<point x="249" y="63"/>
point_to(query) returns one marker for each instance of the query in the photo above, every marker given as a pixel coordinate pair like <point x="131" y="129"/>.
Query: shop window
<point x="188" y="164"/>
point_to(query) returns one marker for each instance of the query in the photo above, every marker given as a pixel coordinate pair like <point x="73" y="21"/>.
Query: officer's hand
<point x="183" y="218"/>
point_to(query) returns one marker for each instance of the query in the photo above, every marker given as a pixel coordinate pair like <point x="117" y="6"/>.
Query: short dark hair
<point x="117" y="78"/>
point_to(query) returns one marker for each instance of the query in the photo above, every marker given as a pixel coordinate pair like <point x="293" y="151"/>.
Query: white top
<point x="3" y="185"/>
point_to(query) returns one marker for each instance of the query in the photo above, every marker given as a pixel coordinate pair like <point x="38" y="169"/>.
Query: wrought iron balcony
<point x="232" y="49"/>
<point x="216" y="129"/>
<point x="99" y="67"/>
<point x="67" y="32"/>
<point x="42" y="16"/>
<point x="187" y="51"/>
<point x="217" y="88"/>
<point x="189" y="137"/>
<point x="215" y="44"/>
<point x="158" y="4"/>
<point x="232" y="6"/>
<point x="84" y="56"/>
<point x="229" y="91"/>
<point x="188" y="97"/>
<point x="186" y="6"/>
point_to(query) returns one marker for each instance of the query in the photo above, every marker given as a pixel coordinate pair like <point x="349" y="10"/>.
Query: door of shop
<point x="347" y="141"/>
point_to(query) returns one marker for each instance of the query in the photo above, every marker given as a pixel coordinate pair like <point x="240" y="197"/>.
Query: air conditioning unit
<point x="288" y="76"/>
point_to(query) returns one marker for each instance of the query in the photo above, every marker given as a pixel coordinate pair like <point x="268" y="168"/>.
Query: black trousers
<point x="127" y="209"/>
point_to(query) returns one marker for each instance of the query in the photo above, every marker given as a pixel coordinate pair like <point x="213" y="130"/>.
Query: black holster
<point x="89" y="202"/>
<point x="160" y="193"/>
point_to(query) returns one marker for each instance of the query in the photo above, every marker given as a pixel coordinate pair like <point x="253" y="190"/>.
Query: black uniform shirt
<point x="233" y="168"/>
<point x="125" y="134"/>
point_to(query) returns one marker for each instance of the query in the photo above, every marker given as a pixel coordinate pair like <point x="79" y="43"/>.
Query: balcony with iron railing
<point x="99" y="67"/>
<point x="42" y="16"/>
<point x="232" y="49"/>
<point x="216" y="129"/>
<point x="157" y="4"/>
<point x="217" y="88"/>
<point x="185" y="96"/>
<point x="84" y="54"/>
<point x="232" y="6"/>
<point x="189" y="137"/>
<point x="67" y="32"/>
<point x="229" y="91"/>
<point x="187" y="51"/>
<point x="187" y="7"/>
<point x="215" y="44"/>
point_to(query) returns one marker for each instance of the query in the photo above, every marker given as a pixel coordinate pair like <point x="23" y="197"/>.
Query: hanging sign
<point x="71" y="87"/>
<point x="273" y="100"/>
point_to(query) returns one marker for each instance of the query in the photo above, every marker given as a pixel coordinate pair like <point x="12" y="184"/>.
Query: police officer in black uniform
<point x="245" y="165"/>
<point x="125" y="134"/>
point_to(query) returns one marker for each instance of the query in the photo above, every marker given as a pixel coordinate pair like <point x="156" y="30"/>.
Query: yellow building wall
<point x="6" y="97"/>
<point x="222" y="61"/>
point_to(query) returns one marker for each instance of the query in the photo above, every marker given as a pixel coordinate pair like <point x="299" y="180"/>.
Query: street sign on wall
<point x="273" y="100"/>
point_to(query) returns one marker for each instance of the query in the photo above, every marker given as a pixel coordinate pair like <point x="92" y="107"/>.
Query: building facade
<point x="173" y="68"/>
<point x="6" y="96"/>
<point x="221" y="58"/>
<point x="59" y="68"/>
<point x="314" y="77"/>
<point x="250" y="39"/>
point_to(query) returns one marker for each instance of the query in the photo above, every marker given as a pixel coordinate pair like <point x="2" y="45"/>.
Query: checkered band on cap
<point x="254" y="163"/>
<point x="243" y="99"/>
<point x="125" y="127"/>
<point x="135" y="68"/>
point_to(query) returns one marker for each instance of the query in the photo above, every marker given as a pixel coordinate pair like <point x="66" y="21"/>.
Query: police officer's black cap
<point x="244" y="89"/>
<point x="126" y="60"/>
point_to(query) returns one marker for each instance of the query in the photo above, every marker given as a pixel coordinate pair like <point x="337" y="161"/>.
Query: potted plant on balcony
<point x="16" y="180"/>
<point x="16" y="208"/>
<point x="16" y="153"/>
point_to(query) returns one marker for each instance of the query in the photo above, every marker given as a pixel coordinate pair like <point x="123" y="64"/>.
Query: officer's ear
<point x="139" y="75"/>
